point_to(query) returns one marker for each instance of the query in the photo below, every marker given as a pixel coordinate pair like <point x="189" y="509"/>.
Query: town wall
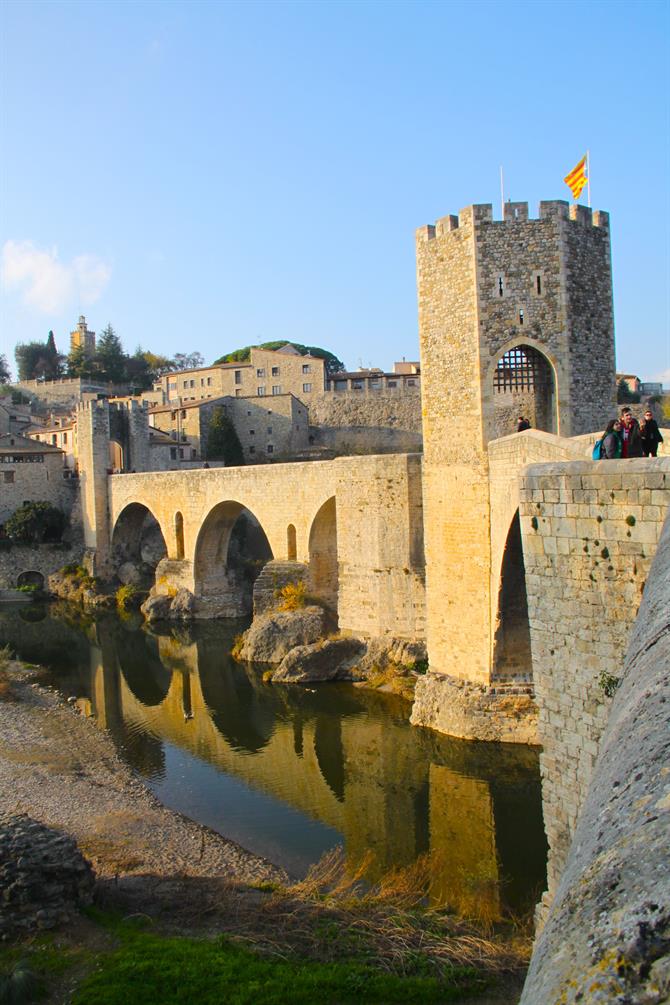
<point x="377" y="422"/>
<point x="590" y="531"/>
<point x="43" y="558"/>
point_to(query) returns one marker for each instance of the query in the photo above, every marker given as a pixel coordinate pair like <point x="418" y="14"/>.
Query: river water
<point x="290" y="772"/>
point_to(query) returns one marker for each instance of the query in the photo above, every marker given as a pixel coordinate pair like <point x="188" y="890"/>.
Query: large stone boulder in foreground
<point x="331" y="659"/>
<point x="273" y="635"/>
<point x="44" y="878"/>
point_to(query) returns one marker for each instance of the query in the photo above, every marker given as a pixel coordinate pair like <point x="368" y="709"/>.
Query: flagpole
<point x="502" y="195"/>
<point x="588" y="175"/>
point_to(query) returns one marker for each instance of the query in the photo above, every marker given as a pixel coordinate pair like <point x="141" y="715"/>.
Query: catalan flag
<point x="577" y="178"/>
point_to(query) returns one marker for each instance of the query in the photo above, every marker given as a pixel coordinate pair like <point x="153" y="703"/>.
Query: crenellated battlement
<point x="480" y="214"/>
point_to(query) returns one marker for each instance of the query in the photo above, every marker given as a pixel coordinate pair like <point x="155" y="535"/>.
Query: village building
<point x="31" y="471"/>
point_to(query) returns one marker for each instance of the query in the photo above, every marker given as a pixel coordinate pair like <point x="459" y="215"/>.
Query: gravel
<point x="60" y="769"/>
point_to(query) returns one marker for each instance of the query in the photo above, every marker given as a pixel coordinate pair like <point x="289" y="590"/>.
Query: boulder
<point x="129" y="574"/>
<point x="332" y="659"/>
<point x="273" y="635"/>
<point x="157" y="607"/>
<point x="183" y="605"/>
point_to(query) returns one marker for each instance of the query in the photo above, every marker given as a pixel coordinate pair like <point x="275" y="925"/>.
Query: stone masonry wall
<point x="590" y="531"/>
<point x="607" y="937"/>
<point x="378" y="515"/>
<point x="373" y="423"/>
<point x="37" y="482"/>
<point x="43" y="558"/>
<point x="455" y="481"/>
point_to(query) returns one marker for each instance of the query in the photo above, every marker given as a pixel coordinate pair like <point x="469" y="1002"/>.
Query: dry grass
<point x="393" y="678"/>
<point x="6" y="692"/>
<point x="334" y="913"/>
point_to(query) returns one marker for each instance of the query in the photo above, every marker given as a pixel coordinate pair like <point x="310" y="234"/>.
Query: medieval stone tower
<point x="515" y="317"/>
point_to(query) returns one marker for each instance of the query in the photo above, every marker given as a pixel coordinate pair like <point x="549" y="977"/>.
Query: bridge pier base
<point x="502" y="713"/>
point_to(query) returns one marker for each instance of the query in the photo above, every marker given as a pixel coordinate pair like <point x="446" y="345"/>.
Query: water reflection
<point x="289" y="772"/>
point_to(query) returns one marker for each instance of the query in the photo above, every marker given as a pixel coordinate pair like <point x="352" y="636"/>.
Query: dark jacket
<point x="612" y="446"/>
<point x="632" y="444"/>
<point x="650" y="432"/>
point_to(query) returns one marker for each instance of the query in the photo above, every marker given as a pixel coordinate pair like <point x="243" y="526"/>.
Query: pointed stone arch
<point x="230" y="552"/>
<point x="522" y="380"/>
<point x="138" y="539"/>
<point x="323" y="561"/>
<point x="511" y="645"/>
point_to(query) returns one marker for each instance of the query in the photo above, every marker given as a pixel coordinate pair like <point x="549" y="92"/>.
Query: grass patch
<point x="393" y="678"/>
<point x="178" y="971"/>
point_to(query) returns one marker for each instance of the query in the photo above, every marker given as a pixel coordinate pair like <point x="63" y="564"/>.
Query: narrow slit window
<point x="538" y="283"/>
<point x="521" y="316"/>
<point x="500" y="286"/>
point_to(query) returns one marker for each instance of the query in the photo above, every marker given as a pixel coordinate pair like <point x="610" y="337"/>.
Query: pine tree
<point x="110" y="355"/>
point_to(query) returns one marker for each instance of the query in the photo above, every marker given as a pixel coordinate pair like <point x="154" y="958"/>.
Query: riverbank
<point x="183" y="879"/>
<point x="59" y="768"/>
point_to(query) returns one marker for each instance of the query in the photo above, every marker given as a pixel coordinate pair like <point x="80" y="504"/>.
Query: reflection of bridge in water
<point x="386" y="788"/>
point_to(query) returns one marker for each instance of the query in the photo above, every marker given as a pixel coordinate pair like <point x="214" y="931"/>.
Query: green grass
<point x="179" y="971"/>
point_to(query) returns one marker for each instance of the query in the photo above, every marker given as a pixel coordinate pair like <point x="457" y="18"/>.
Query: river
<point x="290" y="772"/>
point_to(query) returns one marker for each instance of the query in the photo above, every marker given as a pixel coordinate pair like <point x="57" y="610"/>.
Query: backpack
<point x="598" y="449"/>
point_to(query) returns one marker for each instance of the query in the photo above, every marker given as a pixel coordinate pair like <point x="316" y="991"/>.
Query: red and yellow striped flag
<point x="577" y="179"/>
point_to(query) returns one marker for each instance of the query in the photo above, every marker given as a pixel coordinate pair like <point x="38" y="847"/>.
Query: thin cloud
<point x="663" y="377"/>
<point x="47" y="284"/>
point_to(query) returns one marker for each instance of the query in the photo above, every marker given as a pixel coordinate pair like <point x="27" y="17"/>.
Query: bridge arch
<point x="323" y="563"/>
<point x="511" y="644"/>
<point x="522" y="379"/>
<point x="137" y="537"/>
<point x="230" y="551"/>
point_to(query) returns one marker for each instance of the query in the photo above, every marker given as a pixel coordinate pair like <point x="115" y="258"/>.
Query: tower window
<point x="501" y="290"/>
<point x="521" y="316"/>
<point x="538" y="283"/>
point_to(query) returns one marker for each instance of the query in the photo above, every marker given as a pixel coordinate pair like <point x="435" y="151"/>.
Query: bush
<point x="35" y="522"/>
<point x="293" y="596"/>
<point x="126" y="596"/>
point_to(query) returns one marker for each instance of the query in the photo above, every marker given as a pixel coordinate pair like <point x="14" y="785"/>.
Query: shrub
<point x="293" y="596"/>
<point x="5" y="657"/>
<point x="35" y="522"/>
<point x="126" y="596"/>
<point x="609" y="683"/>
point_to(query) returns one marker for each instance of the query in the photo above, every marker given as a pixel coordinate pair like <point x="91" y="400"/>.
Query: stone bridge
<point x="356" y="524"/>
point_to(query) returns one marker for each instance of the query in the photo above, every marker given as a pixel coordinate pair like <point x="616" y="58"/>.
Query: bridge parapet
<point x="590" y="531"/>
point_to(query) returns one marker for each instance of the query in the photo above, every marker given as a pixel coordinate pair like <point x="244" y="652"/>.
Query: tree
<point x="333" y="364"/>
<point x="5" y="375"/>
<point x="188" y="361"/>
<point x="79" y="364"/>
<point x="158" y="365"/>
<point x="110" y="356"/>
<point x="624" y="395"/>
<point x="223" y="443"/>
<point x="34" y="522"/>
<point x="38" y="360"/>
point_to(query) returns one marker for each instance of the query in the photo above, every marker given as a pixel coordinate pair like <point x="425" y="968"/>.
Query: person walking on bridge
<point x="522" y="424"/>
<point x="612" y="441"/>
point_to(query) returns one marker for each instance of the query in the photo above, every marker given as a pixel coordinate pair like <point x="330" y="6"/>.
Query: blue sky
<point x="209" y="175"/>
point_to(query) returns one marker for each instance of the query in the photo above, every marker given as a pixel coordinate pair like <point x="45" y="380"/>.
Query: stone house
<point x="274" y="429"/>
<point x="268" y="372"/>
<point x="31" y="471"/>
